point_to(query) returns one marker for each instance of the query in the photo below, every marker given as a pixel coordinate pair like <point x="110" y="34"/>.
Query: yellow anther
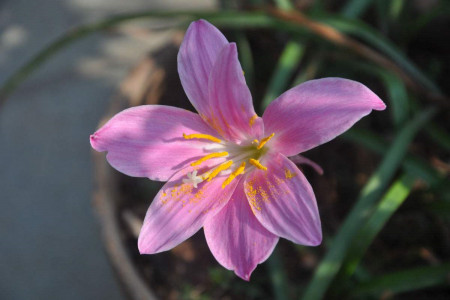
<point x="209" y="156"/>
<point x="233" y="175"/>
<point x="255" y="141"/>
<point x="257" y="164"/>
<point x="220" y="168"/>
<point x="264" y="141"/>
<point x="252" y="120"/>
<point x="201" y="136"/>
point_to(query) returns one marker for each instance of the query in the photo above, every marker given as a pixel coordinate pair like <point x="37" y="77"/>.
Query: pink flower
<point x="227" y="168"/>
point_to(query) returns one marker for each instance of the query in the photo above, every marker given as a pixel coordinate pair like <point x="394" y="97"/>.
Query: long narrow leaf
<point x="286" y="66"/>
<point x="398" y="97"/>
<point x="278" y="276"/>
<point x="355" y="8"/>
<point x="310" y="70"/>
<point x="371" y="192"/>
<point x="374" y="38"/>
<point x="413" y="165"/>
<point x="405" y="281"/>
<point x="391" y="201"/>
<point x="439" y="135"/>
<point x="246" y="58"/>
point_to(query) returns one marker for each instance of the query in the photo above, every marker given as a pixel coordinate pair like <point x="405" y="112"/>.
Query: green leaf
<point x="371" y="192"/>
<point x="284" y="4"/>
<point x="405" y="281"/>
<point x="378" y="41"/>
<point x="355" y="8"/>
<point x="398" y="96"/>
<point x="391" y="201"/>
<point x="413" y="165"/>
<point x="278" y="276"/>
<point x="439" y="135"/>
<point x="396" y="8"/>
<point x="286" y="66"/>
<point x="246" y="58"/>
<point x="310" y="70"/>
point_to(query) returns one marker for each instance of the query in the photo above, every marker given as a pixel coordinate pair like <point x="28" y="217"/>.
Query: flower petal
<point x="147" y="141"/>
<point x="198" y="53"/>
<point x="317" y="111"/>
<point x="179" y="211"/>
<point x="236" y="238"/>
<point x="283" y="201"/>
<point x="232" y="114"/>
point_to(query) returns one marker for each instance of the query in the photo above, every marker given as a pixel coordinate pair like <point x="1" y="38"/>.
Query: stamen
<point x="255" y="141"/>
<point x="220" y="168"/>
<point x="252" y="120"/>
<point x="209" y="156"/>
<point x="264" y="141"/>
<point x="257" y="164"/>
<point x="233" y="175"/>
<point x="201" y="136"/>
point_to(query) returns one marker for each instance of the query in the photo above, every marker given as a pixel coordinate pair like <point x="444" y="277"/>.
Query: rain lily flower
<point x="227" y="169"/>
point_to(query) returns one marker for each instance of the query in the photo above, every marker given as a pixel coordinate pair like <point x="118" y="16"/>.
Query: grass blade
<point x="246" y="58"/>
<point x="278" y="276"/>
<point x="286" y="66"/>
<point x="374" y="38"/>
<point x="413" y="165"/>
<point x="439" y="135"/>
<point x="391" y="201"/>
<point x="331" y="264"/>
<point x="405" y="281"/>
<point x="355" y="8"/>
<point x="398" y="97"/>
<point x="310" y="70"/>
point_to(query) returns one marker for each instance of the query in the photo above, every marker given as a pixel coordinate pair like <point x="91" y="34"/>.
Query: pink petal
<point x="317" y="111"/>
<point x="232" y="114"/>
<point x="236" y="238"/>
<point x="198" y="53"/>
<point x="179" y="211"/>
<point x="283" y="201"/>
<point x="147" y="141"/>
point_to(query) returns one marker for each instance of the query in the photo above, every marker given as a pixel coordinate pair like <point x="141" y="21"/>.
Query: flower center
<point x="238" y="158"/>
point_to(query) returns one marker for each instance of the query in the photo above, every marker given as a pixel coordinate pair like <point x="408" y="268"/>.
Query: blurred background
<point x="52" y="247"/>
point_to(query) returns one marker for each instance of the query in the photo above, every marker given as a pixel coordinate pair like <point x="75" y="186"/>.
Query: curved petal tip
<point x="379" y="105"/>
<point x="93" y="138"/>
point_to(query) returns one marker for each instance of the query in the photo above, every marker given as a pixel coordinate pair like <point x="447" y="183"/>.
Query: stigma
<point x="234" y="161"/>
